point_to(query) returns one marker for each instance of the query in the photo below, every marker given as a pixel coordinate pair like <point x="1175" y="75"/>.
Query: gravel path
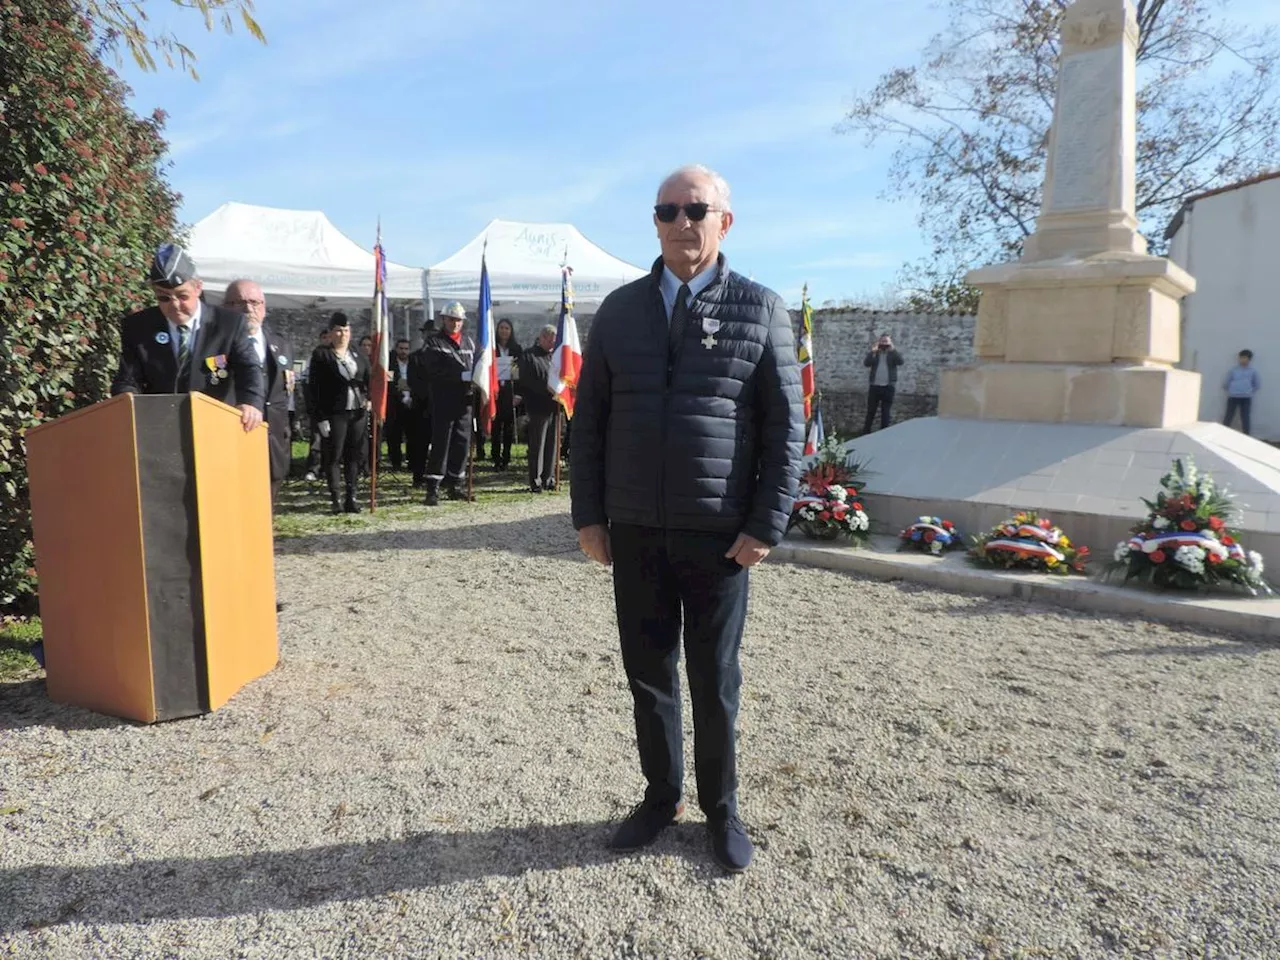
<point x="433" y="769"/>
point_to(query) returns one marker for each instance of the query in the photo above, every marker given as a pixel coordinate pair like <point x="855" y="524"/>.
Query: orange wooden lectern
<point x="151" y="517"/>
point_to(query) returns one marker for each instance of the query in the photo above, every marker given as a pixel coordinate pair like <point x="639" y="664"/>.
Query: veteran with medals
<point x="686" y="453"/>
<point x="183" y="345"/>
<point x="276" y="359"/>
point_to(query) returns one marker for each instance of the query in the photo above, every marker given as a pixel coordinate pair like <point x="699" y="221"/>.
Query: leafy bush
<point x="83" y="203"/>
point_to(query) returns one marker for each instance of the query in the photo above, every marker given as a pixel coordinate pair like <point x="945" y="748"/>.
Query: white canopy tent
<point x="524" y="267"/>
<point x="299" y="258"/>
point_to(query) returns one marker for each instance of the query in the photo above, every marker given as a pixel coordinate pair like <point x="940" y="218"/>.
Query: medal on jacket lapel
<point x="709" y="326"/>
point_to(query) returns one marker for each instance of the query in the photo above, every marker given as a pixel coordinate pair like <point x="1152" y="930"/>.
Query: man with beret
<point x="182" y="345"/>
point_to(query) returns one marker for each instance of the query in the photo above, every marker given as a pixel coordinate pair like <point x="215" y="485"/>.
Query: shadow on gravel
<point x="246" y="884"/>
<point x="1228" y="648"/>
<point x="27" y="704"/>
<point x="551" y="534"/>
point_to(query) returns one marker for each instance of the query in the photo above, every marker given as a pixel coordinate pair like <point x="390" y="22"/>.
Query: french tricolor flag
<point x="485" y="372"/>
<point x="815" y="437"/>
<point x="566" y="357"/>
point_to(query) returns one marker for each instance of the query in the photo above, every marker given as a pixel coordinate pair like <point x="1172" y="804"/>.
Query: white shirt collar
<point x="193" y="327"/>
<point x="670" y="284"/>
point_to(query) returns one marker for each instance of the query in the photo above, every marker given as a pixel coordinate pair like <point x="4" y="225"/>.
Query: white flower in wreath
<point x="808" y="513"/>
<point x="838" y="493"/>
<point x="1190" y="558"/>
<point x="864" y="522"/>
<point x="1255" y="562"/>
<point x="935" y="547"/>
<point x="1160" y="523"/>
<point x="1122" y="551"/>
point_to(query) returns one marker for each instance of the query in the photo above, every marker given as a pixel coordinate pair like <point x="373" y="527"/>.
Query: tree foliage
<point x="971" y="122"/>
<point x="125" y="22"/>
<point x="83" y="203"/>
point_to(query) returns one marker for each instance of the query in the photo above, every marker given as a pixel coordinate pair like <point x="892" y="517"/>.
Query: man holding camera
<point x="883" y="362"/>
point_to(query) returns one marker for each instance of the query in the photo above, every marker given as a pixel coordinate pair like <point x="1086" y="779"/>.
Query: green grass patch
<point x="17" y="637"/>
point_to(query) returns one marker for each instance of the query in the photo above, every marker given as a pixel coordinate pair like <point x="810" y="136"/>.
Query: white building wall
<point x="1230" y="243"/>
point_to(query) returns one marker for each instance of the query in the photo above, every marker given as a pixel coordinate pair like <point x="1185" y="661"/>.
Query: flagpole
<point x="559" y="411"/>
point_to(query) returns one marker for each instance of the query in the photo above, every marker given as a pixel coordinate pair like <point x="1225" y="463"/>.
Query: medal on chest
<point x="710" y="326"/>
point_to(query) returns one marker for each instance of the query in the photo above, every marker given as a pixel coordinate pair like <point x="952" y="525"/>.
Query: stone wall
<point x="928" y="342"/>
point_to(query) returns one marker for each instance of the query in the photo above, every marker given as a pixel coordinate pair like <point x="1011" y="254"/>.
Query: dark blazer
<point x="872" y="360"/>
<point x="397" y="385"/>
<point x="148" y="363"/>
<point x="535" y="369"/>
<point x="329" y="388"/>
<point x="278" y="371"/>
<point x="447" y="367"/>
<point x="709" y="440"/>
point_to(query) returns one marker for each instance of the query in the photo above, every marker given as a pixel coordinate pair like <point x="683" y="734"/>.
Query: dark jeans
<point x="662" y="578"/>
<point x="450" y="441"/>
<point x="504" y="426"/>
<point x="396" y="434"/>
<point x="1245" y="406"/>
<point x="542" y="448"/>
<point x="342" y="452"/>
<point x="883" y="398"/>
<point x="313" y="454"/>
<point x="418" y="438"/>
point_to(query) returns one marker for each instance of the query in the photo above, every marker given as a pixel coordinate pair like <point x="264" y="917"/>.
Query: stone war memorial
<point x="1074" y="405"/>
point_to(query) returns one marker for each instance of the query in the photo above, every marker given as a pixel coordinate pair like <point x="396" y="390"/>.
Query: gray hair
<point x="718" y="183"/>
<point x="549" y="329"/>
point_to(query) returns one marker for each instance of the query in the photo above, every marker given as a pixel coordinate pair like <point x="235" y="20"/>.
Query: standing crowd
<point x="431" y="426"/>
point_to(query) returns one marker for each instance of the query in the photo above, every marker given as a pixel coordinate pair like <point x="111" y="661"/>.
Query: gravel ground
<point x="433" y="769"/>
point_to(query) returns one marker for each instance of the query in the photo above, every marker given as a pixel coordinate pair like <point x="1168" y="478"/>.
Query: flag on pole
<point x="566" y="358"/>
<point x="485" y="372"/>
<point x="808" y="381"/>
<point x="380" y="355"/>
<point x="813" y="440"/>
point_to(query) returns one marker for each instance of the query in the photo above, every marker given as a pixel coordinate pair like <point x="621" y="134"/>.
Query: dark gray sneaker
<point x="730" y="844"/>
<point x="643" y="824"/>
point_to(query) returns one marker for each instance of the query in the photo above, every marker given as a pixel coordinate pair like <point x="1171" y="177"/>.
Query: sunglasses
<point x="697" y="212"/>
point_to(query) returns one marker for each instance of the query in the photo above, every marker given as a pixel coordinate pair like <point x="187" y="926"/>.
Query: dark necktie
<point x="184" y="358"/>
<point x="679" y="320"/>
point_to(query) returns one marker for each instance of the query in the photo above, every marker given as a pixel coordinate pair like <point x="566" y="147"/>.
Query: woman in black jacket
<point x="504" y="421"/>
<point x="339" y="391"/>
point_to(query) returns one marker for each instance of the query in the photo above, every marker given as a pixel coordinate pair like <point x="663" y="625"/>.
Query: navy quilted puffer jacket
<point x="712" y="443"/>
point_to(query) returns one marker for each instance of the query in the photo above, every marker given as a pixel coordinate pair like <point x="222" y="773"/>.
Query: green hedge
<point x="83" y="203"/>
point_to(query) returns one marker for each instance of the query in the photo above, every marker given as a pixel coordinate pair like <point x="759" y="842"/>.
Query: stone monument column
<point x="1084" y="328"/>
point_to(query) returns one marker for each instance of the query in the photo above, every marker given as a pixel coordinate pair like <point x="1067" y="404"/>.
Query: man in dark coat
<point x="448" y="358"/>
<point x="399" y="407"/>
<point x="419" y="438"/>
<point x="543" y="410"/>
<point x="882" y="363"/>
<point x="339" y="392"/>
<point x="182" y="345"/>
<point x="687" y="439"/>
<point x="273" y="353"/>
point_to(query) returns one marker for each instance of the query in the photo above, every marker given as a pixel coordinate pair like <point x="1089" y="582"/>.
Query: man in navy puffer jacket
<point x="687" y="439"/>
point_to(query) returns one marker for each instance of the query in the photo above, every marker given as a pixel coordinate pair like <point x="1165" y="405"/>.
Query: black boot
<point x="349" y="505"/>
<point x="433" y="492"/>
<point x="334" y="505"/>
<point x="453" y="492"/>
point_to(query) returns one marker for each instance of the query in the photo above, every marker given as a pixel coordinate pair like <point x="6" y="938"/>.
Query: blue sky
<point x="441" y="116"/>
